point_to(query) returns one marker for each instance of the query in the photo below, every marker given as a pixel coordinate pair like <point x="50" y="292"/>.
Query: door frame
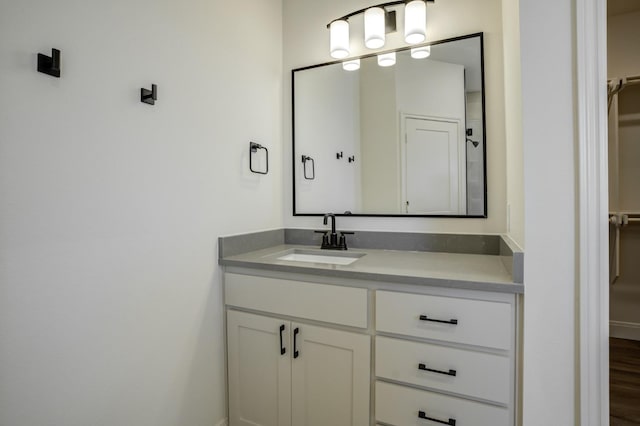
<point x="462" y="162"/>
<point x="593" y="228"/>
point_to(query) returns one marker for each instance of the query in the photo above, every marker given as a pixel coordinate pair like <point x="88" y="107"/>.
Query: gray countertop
<point x="453" y="270"/>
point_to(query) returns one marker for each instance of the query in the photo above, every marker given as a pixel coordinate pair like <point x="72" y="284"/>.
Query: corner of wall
<point x="513" y="121"/>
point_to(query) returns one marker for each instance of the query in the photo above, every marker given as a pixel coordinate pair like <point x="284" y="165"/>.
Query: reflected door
<point x="432" y="168"/>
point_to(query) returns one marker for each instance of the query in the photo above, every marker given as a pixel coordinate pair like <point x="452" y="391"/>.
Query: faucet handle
<point x="325" y="238"/>
<point x="343" y="239"/>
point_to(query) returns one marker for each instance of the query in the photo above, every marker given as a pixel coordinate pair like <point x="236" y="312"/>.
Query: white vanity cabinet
<point x="284" y="372"/>
<point x="445" y="360"/>
<point x="305" y="350"/>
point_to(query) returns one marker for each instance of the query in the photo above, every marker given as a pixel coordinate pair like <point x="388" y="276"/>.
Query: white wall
<point x="380" y="162"/>
<point x="548" y="120"/>
<point x="442" y="95"/>
<point x="323" y="129"/>
<point x="110" y="297"/>
<point x="513" y="121"/>
<point x="306" y="42"/>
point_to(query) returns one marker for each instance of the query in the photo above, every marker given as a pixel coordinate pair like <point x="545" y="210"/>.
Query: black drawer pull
<point x="295" y="342"/>
<point x="425" y="318"/>
<point x="448" y="373"/>
<point x="283" y="350"/>
<point x="423" y="415"/>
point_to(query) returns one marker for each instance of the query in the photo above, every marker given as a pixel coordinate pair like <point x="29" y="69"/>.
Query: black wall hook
<point x="253" y="148"/>
<point x="50" y="65"/>
<point x="149" y="96"/>
<point x="352" y="159"/>
<point x="339" y="155"/>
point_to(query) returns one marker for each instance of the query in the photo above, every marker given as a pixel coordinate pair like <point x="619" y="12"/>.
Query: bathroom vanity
<point x="370" y="336"/>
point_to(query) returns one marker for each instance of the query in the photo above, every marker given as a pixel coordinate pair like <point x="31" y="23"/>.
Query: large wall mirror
<point x="400" y="140"/>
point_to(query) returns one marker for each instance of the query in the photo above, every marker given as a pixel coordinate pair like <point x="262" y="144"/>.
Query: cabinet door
<point x="330" y="377"/>
<point x="259" y="373"/>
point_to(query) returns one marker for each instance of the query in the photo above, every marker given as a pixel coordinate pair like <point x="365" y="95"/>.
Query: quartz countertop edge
<point x="448" y="270"/>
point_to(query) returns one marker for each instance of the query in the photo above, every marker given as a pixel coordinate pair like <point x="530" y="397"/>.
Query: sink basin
<point x="325" y="256"/>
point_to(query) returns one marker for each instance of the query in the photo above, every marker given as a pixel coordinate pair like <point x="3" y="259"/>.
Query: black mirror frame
<point x="484" y="136"/>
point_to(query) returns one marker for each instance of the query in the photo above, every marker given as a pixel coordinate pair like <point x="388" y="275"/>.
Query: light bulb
<point x="374" y="27"/>
<point x="387" y="59"/>
<point x="352" y="65"/>
<point x="339" y="43"/>
<point x="421" y="52"/>
<point x="415" y="22"/>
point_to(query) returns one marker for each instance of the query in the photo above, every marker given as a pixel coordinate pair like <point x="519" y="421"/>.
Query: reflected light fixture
<point x="387" y="59"/>
<point x="378" y="21"/>
<point x="352" y="65"/>
<point x="421" y="52"/>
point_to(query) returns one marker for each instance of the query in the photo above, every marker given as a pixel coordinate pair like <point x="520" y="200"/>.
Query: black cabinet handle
<point x="423" y="415"/>
<point x="295" y="342"/>
<point x="283" y="350"/>
<point x="425" y="318"/>
<point x="423" y="367"/>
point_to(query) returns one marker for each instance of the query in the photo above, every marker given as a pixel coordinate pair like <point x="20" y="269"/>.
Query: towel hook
<point x="50" y="64"/>
<point x="253" y="148"/>
<point x="149" y="96"/>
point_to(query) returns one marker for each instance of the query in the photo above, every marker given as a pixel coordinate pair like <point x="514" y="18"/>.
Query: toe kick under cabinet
<point x="307" y="350"/>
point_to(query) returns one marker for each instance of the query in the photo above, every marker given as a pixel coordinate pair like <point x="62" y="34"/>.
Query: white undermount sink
<point x="317" y="256"/>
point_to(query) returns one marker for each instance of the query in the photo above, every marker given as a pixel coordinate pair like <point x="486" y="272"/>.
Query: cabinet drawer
<point x="321" y="302"/>
<point x="470" y="373"/>
<point x="400" y="406"/>
<point x="472" y="322"/>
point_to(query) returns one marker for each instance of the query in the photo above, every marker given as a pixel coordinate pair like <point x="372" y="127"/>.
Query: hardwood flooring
<point x="624" y="382"/>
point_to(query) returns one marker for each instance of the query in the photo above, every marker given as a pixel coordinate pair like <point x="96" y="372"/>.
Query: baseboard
<point x="624" y="330"/>
<point x="222" y="422"/>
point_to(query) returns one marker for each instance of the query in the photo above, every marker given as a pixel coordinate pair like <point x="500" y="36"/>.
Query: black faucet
<point x="331" y="241"/>
<point x="333" y="237"/>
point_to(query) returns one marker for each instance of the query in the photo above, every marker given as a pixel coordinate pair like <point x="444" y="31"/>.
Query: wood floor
<point x="624" y="382"/>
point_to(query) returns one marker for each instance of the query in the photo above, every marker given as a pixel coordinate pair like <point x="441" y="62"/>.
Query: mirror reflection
<point x="403" y="139"/>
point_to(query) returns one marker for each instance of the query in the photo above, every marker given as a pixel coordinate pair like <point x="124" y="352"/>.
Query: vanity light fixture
<point x="378" y="21"/>
<point x="415" y="22"/>
<point x="374" y="31"/>
<point x="352" y="65"/>
<point x="421" y="52"/>
<point x="387" y="59"/>
<point x="339" y="39"/>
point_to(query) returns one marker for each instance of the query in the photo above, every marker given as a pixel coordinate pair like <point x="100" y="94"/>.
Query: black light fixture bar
<point x="382" y="5"/>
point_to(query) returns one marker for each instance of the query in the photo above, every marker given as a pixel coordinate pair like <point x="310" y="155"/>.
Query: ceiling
<point x="618" y="7"/>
